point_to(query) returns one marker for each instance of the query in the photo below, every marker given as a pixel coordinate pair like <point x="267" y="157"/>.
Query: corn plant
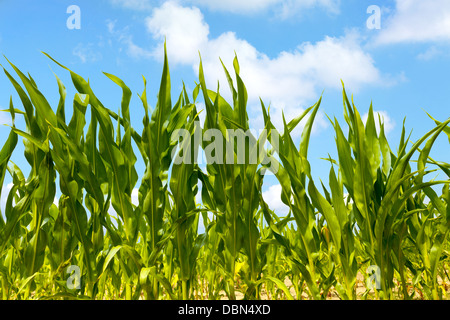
<point x="234" y="181"/>
<point x="380" y="210"/>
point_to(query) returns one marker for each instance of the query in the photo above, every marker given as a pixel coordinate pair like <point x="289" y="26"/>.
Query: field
<point x="377" y="230"/>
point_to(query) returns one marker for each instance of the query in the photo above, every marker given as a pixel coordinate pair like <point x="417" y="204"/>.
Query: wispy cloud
<point x="133" y="4"/>
<point x="124" y="37"/>
<point x="5" y="117"/>
<point x="87" y="52"/>
<point x="431" y="53"/>
<point x="281" y="8"/>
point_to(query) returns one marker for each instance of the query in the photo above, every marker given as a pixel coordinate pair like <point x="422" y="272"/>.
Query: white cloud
<point x="135" y="196"/>
<point x="236" y="6"/>
<point x="185" y="30"/>
<point x="430" y="53"/>
<point x="389" y="123"/>
<point x="416" y="21"/>
<point x="133" y="4"/>
<point x="281" y="8"/>
<point x="134" y="50"/>
<point x="293" y="7"/>
<point x="288" y="82"/>
<point x="134" y="200"/>
<point x="86" y="53"/>
<point x="4" y="196"/>
<point x="124" y="37"/>
<point x="111" y="25"/>
<point x="5" y="118"/>
<point x="273" y="199"/>
<point x="348" y="199"/>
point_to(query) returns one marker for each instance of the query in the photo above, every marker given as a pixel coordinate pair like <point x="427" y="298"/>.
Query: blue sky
<point x="289" y="51"/>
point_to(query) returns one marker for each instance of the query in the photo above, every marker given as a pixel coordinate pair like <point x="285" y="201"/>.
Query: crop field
<point x="378" y="229"/>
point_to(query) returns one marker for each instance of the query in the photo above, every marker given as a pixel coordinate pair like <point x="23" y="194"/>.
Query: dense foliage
<point x="377" y="213"/>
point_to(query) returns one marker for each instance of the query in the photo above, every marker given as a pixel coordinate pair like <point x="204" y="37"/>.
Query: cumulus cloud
<point x="184" y="40"/>
<point x="4" y="196"/>
<point x="415" y="21"/>
<point x="273" y="199"/>
<point x="288" y="82"/>
<point x="389" y="123"/>
<point x="135" y="196"/>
